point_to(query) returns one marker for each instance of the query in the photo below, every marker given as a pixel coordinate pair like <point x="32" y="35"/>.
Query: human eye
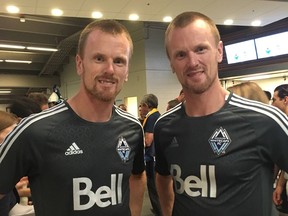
<point x="98" y="58"/>
<point x="180" y="54"/>
<point x="200" y="49"/>
<point x="120" y="61"/>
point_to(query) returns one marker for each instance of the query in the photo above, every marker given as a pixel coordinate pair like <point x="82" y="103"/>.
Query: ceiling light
<point x="133" y="17"/>
<point x="29" y="48"/>
<point x="167" y="19"/>
<point x="18" y="61"/>
<point x="43" y="49"/>
<point x="1" y="60"/>
<point x="256" y="23"/>
<point x="11" y="46"/>
<point x="12" y="9"/>
<point x="56" y="12"/>
<point x="97" y="14"/>
<point x="22" y="19"/>
<point x="5" y="91"/>
<point x="228" y="22"/>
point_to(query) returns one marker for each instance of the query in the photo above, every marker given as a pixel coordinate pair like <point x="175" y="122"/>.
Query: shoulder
<point x="170" y="115"/>
<point x="153" y="117"/>
<point x="51" y="112"/>
<point x="251" y="108"/>
<point x="39" y="121"/>
<point x="127" y="117"/>
<point x="254" y="106"/>
<point x="35" y="125"/>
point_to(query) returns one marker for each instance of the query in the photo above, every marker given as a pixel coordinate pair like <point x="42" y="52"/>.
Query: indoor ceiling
<point x="43" y="30"/>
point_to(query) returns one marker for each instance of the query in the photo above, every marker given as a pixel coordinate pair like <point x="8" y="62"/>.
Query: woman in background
<point x="250" y="90"/>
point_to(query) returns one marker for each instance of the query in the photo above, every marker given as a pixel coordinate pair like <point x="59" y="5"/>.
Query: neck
<point x="152" y="109"/>
<point x="91" y="109"/>
<point x="209" y="102"/>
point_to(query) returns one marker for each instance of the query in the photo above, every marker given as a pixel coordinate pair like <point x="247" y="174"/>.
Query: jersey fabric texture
<point x="75" y="167"/>
<point x="222" y="163"/>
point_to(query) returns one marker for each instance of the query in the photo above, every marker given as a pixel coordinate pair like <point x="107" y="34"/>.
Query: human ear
<point x="220" y="52"/>
<point x="79" y="64"/>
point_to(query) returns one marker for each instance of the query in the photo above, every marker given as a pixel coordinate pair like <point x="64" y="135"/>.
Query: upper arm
<point x="148" y="139"/>
<point x="164" y="185"/>
<point x="138" y="161"/>
<point x="137" y="188"/>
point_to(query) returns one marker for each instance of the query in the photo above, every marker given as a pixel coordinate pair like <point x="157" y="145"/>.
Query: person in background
<point x="123" y="107"/>
<point x="150" y="102"/>
<point x="172" y="103"/>
<point x="140" y="115"/>
<point x="181" y="96"/>
<point x="39" y="98"/>
<point x="9" y="205"/>
<point x="280" y="100"/>
<point x="268" y="94"/>
<point x="53" y="100"/>
<point x="249" y="90"/>
<point x="7" y="122"/>
<point x="84" y="156"/>
<point x="24" y="106"/>
<point x="142" y="110"/>
<point x="215" y="152"/>
<point x="55" y="97"/>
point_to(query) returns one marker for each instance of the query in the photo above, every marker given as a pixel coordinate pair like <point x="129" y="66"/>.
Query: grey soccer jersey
<point x="75" y="167"/>
<point x="222" y="163"/>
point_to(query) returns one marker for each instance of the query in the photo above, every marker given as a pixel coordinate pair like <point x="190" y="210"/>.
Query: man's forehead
<point x="200" y="23"/>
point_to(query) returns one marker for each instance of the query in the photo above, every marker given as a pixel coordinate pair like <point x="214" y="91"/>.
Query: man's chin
<point x="107" y="97"/>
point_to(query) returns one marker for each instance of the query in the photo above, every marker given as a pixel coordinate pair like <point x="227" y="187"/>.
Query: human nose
<point x="193" y="59"/>
<point x="109" y="67"/>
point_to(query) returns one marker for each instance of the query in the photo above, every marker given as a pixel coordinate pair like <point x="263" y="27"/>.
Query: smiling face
<point x="103" y="66"/>
<point x="194" y="56"/>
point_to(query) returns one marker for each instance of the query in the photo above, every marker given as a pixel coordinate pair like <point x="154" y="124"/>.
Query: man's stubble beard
<point x="101" y="94"/>
<point x="201" y="88"/>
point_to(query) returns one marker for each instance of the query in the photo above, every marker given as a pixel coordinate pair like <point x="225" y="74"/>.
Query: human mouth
<point x="194" y="73"/>
<point x="106" y="81"/>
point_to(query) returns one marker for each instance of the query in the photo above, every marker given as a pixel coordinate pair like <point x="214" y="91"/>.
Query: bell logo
<point x="193" y="185"/>
<point x="103" y="197"/>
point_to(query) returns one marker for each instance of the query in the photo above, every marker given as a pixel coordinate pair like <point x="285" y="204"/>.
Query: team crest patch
<point x="123" y="149"/>
<point x="219" y="141"/>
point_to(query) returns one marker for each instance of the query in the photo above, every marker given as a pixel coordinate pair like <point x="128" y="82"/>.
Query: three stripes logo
<point x="73" y="150"/>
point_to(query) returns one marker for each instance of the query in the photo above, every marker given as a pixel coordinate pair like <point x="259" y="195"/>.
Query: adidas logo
<point x="73" y="149"/>
<point x="174" y="142"/>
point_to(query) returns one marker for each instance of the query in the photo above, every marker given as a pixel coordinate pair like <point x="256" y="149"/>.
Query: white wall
<point x="69" y="79"/>
<point x="271" y="84"/>
<point x="136" y="85"/>
<point x="160" y="79"/>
